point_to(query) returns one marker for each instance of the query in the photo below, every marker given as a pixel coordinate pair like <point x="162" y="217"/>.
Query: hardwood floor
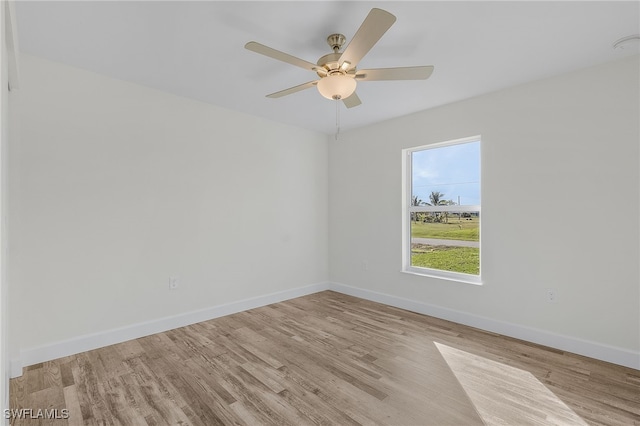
<point x="328" y="359"/>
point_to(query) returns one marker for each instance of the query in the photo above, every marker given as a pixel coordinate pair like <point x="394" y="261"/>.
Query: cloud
<point x="453" y="170"/>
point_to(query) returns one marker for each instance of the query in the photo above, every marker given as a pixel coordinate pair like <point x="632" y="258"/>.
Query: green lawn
<point x="447" y="258"/>
<point x="467" y="230"/>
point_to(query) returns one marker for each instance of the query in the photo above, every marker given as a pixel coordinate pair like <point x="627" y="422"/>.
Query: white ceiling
<point x="196" y="49"/>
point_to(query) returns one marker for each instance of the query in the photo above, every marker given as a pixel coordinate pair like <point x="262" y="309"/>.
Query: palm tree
<point x="437" y="199"/>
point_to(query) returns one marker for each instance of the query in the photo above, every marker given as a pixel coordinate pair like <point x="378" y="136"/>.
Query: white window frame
<point x="407" y="209"/>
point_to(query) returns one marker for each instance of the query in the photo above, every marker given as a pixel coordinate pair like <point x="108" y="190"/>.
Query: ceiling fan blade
<point x="403" y="73"/>
<point x="352" y="101"/>
<point x="293" y="89"/>
<point x="281" y="56"/>
<point x="376" y="23"/>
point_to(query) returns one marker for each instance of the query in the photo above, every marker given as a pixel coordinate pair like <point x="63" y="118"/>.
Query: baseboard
<point x="575" y="345"/>
<point x="88" y="342"/>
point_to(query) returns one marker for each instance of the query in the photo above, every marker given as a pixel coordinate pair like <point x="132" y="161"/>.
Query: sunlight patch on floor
<point x="506" y="395"/>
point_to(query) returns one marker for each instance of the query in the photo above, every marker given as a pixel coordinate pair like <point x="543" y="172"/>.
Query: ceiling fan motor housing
<point x="330" y="63"/>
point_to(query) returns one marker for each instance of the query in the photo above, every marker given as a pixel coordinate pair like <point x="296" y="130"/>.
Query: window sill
<point x="444" y="275"/>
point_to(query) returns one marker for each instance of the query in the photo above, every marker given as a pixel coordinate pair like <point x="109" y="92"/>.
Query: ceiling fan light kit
<point x="337" y="71"/>
<point x="336" y="86"/>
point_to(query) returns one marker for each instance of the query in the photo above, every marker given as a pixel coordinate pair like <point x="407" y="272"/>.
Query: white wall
<point x="8" y="77"/>
<point x="117" y="187"/>
<point x="560" y="210"/>
<point x="4" y="135"/>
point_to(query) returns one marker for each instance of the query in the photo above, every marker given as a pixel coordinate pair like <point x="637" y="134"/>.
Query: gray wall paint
<point x="116" y="187"/>
<point x="560" y="205"/>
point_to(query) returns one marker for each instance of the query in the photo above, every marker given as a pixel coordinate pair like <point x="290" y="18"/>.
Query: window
<point x="441" y="210"/>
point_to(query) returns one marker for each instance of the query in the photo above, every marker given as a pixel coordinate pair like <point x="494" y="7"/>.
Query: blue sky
<point x="453" y="170"/>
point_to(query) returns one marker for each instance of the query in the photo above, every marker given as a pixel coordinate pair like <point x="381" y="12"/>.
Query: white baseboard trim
<point x="89" y="342"/>
<point x="575" y="345"/>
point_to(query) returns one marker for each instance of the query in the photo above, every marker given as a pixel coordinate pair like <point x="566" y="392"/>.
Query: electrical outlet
<point x="552" y="297"/>
<point x="174" y="283"/>
<point x="365" y="265"/>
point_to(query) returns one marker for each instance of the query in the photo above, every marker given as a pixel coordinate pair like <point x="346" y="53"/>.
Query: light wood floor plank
<point x="329" y="359"/>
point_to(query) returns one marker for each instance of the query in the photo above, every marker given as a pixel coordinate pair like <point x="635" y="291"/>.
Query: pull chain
<point x="337" y="119"/>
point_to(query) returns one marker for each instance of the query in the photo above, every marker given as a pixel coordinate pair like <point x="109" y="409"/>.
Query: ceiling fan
<point x="337" y="71"/>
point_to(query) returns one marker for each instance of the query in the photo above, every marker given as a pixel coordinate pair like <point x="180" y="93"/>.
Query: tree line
<point x="436" y="198"/>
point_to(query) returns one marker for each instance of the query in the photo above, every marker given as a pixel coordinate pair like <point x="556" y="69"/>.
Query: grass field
<point x="456" y="259"/>
<point x="467" y="230"/>
<point x="446" y="258"/>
